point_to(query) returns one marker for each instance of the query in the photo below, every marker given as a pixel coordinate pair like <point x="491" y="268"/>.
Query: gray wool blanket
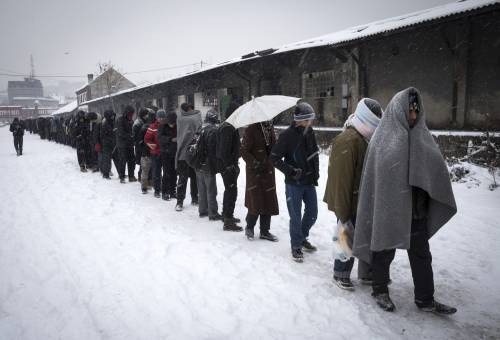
<point x="399" y="158"/>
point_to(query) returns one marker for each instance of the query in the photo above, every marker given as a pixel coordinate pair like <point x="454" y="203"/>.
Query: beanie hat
<point x="212" y="116"/>
<point x="303" y="111"/>
<point x="365" y="119"/>
<point x="161" y="114"/>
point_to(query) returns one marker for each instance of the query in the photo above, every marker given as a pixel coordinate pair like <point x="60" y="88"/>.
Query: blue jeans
<point x="300" y="225"/>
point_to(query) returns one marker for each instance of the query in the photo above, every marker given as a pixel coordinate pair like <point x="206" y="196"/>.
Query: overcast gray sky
<point x="68" y="37"/>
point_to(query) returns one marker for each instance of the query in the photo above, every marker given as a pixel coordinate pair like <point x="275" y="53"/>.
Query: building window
<point x="210" y="98"/>
<point x="318" y="84"/>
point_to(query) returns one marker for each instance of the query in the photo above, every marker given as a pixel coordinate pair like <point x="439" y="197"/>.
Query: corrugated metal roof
<point x="347" y="35"/>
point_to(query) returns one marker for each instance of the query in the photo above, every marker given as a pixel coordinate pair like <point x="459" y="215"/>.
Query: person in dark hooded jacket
<point x="17" y="129"/>
<point x="205" y="175"/>
<point x="228" y="153"/>
<point x="167" y="136"/>
<point x="125" y="144"/>
<point x="81" y="133"/>
<point x="108" y="140"/>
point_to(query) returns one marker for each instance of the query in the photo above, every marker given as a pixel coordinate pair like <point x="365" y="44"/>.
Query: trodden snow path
<point x="85" y="258"/>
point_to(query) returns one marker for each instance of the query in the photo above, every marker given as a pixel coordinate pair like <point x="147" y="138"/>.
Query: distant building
<point x="29" y="87"/>
<point x="107" y="83"/>
<point x="35" y="102"/>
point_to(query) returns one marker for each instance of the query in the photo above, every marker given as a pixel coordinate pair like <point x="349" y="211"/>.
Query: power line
<point x="15" y="74"/>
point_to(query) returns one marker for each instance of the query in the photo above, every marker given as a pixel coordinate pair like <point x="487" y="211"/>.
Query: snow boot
<point x="438" y="308"/>
<point x="266" y="235"/>
<point x="202" y="215"/>
<point x="343" y="283"/>
<point x="165" y="197"/>
<point x="232" y="219"/>
<point x="297" y="255"/>
<point x="82" y="168"/>
<point x="231" y="226"/>
<point x="384" y="301"/>
<point x="249" y="233"/>
<point x="179" y="206"/>
<point x="216" y="217"/>
<point x="308" y="246"/>
<point x="122" y="180"/>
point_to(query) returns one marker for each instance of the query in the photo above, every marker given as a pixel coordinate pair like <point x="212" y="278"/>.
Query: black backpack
<point x="195" y="154"/>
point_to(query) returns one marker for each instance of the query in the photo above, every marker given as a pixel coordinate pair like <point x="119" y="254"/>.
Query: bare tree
<point x="111" y="81"/>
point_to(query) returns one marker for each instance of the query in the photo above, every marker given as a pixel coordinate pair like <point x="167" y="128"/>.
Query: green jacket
<point x="344" y="174"/>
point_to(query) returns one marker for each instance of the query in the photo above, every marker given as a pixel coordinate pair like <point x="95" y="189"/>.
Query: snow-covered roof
<point x="346" y="35"/>
<point x="391" y="24"/>
<point x="66" y="108"/>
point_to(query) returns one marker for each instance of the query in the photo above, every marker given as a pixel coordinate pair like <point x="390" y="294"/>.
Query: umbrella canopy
<point x="261" y="109"/>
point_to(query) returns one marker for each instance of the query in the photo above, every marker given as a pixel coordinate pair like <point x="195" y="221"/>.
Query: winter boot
<point x="82" y="168"/>
<point x="144" y="190"/>
<point x="249" y="233"/>
<point x="203" y="215"/>
<point x="157" y="194"/>
<point x="343" y="283"/>
<point x="266" y="235"/>
<point x="132" y="179"/>
<point x="165" y="197"/>
<point x="297" y="255"/>
<point x="308" y="246"/>
<point x="438" y="308"/>
<point x="106" y="177"/>
<point x="231" y="226"/>
<point x="122" y="180"/>
<point x="384" y="301"/>
<point x="179" y="206"/>
<point x="216" y="217"/>
<point x="232" y="219"/>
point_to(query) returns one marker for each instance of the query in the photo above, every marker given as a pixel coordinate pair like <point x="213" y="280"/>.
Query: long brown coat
<point x="260" y="194"/>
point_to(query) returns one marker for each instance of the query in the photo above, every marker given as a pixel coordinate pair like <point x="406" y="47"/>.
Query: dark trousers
<point x="169" y="180"/>
<point x="18" y="144"/>
<point x="83" y="154"/>
<point x="186" y="172"/>
<point x="420" y="263"/>
<point x="106" y="156"/>
<point x="156" y="172"/>
<point x="230" y="179"/>
<point x="127" y="160"/>
<point x="265" y="222"/>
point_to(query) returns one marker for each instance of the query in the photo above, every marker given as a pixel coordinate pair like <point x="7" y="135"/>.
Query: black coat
<point x="124" y="135"/>
<point x="208" y="146"/>
<point x="165" y="136"/>
<point x="228" y="146"/>
<point x="17" y="128"/>
<point x="297" y="148"/>
<point x="108" y="138"/>
<point x="81" y="132"/>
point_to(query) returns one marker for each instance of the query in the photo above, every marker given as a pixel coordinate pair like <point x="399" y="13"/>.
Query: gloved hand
<point x="233" y="170"/>
<point x="296" y="173"/>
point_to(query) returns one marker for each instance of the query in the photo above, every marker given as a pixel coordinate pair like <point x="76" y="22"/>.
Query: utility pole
<point x="32" y="73"/>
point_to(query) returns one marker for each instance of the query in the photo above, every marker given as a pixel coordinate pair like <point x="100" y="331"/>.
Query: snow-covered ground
<point x="84" y="258"/>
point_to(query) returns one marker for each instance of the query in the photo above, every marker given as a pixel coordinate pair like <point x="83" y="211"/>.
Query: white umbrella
<point x="260" y="109"/>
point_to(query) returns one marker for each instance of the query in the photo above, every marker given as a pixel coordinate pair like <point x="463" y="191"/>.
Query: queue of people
<point x="388" y="185"/>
